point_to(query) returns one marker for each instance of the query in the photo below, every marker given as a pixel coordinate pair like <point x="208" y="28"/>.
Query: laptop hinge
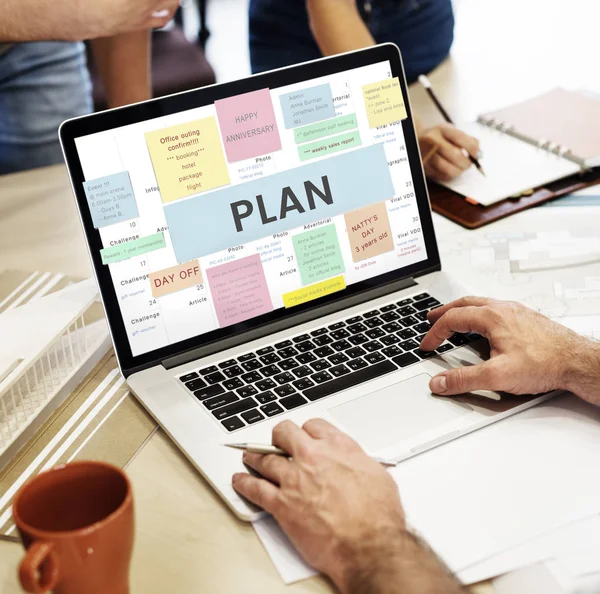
<point x="289" y="322"/>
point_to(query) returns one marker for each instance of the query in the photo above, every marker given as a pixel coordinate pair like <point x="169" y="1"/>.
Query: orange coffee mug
<point x="76" y="522"/>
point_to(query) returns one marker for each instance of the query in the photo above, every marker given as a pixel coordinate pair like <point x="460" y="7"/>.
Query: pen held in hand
<point x="257" y="448"/>
<point x="428" y="88"/>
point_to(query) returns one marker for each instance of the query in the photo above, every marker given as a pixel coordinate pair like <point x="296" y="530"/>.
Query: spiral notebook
<point x="530" y="144"/>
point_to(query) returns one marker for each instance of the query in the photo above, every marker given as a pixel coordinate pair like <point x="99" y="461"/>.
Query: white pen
<point x="259" y="448"/>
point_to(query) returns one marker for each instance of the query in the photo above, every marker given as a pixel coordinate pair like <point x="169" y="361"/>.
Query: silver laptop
<point x="265" y="251"/>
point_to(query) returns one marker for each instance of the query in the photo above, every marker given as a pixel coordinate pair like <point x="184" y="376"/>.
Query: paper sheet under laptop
<point x="511" y="166"/>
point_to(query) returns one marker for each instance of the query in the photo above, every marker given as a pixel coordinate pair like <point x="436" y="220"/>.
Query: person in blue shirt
<point x="285" y="32"/>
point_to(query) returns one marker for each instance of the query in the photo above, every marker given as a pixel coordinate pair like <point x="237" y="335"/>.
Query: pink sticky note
<point x="239" y="290"/>
<point x="248" y="125"/>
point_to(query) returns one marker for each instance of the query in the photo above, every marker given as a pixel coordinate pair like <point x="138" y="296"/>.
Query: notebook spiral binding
<point x="543" y="143"/>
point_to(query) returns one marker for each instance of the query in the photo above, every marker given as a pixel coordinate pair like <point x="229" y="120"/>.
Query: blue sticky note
<point x="286" y="200"/>
<point x="111" y="199"/>
<point x="307" y="106"/>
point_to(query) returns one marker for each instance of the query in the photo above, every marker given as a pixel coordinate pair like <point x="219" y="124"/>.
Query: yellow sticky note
<point x="384" y="102"/>
<point x="326" y="287"/>
<point x="187" y="159"/>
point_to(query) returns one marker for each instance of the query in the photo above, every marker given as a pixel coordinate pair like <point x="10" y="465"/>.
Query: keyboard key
<point x="270" y="370"/>
<point x="421" y="315"/>
<point x="215" y="378"/>
<point x="472" y="336"/>
<point x="324" y="351"/>
<point x="221" y="400"/>
<point x="373" y="322"/>
<point x="293" y="401"/>
<point x="284" y="390"/>
<point x="405" y="359"/>
<point x="390" y="316"/>
<point x="404" y="302"/>
<point x="421" y="296"/>
<point x="306" y="358"/>
<point x="375" y="333"/>
<point x="320" y="364"/>
<point x="270" y="358"/>
<point x="458" y="340"/>
<point x="408" y="321"/>
<point x="304" y="347"/>
<point x="252" y="416"/>
<point x="374" y="357"/>
<point x="247" y="391"/>
<point x="406" y="334"/>
<point x="265" y="350"/>
<point x="233" y="423"/>
<point x="319" y="332"/>
<point x="266" y="384"/>
<point x="339" y="370"/>
<point x="288" y="352"/>
<point x="419" y="338"/>
<point x="392" y="351"/>
<point x="246" y="357"/>
<point x="390" y="339"/>
<point x="425" y="354"/>
<point x="445" y="347"/>
<point x="188" y="377"/>
<point x="423" y="327"/>
<point x="304" y="383"/>
<point x="271" y="409"/>
<point x="209" y="392"/>
<point x="407" y="310"/>
<point x="251" y="365"/>
<point x="195" y="384"/>
<point x="358" y="339"/>
<point x="355" y="352"/>
<point x="301" y="338"/>
<point x="323" y="340"/>
<point x="386" y="308"/>
<point x="284" y="378"/>
<point x="233" y="383"/>
<point x="341" y="345"/>
<point x="265" y="397"/>
<point x="354" y="319"/>
<point x="208" y="370"/>
<point x="252" y="377"/>
<point x="339" y="334"/>
<point x="426" y="303"/>
<point x="233" y="371"/>
<point x="302" y="371"/>
<point x="391" y="327"/>
<point x="409" y="345"/>
<point x="336" y="326"/>
<point x="356" y="364"/>
<point x="322" y="376"/>
<point x="372" y="346"/>
<point x="338" y="358"/>
<point x="351" y="379"/>
<point x="371" y="314"/>
<point x="227" y="363"/>
<point x="235" y="408"/>
<point x="356" y="328"/>
<point x="289" y="364"/>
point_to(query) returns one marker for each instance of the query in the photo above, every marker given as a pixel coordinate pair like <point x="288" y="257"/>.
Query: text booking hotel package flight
<point x="265" y="200"/>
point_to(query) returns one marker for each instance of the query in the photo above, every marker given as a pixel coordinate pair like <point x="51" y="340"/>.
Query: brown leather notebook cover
<point x="454" y="206"/>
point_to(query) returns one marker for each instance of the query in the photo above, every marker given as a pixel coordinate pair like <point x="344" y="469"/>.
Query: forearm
<point x="123" y="62"/>
<point x="582" y="376"/>
<point x="404" y="565"/>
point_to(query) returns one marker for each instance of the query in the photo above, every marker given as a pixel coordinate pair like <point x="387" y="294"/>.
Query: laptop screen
<point x="219" y="215"/>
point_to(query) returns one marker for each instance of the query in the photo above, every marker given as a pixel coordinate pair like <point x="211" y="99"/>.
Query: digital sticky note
<point x="329" y="146"/>
<point x="327" y="287"/>
<point x="307" y="106"/>
<point x="187" y="159"/>
<point x="327" y="128"/>
<point x="248" y="125"/>
<point x="239" y="289"/>
<point x="318" y="254"/>
<point x="384" y="102"/>
<point x="130" y="249"/>
<point x="369" y="231"/>
<point x="175" y="278"/>
<point x="111" y="199"/>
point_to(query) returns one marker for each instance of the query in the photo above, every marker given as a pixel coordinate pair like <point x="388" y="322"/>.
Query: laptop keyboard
<point x="275" y="379"/>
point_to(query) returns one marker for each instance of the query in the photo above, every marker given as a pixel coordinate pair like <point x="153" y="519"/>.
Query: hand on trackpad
<point x="402" y="410"/>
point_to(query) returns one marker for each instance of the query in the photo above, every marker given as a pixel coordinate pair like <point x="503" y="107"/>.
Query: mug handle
<point x="38" y="571"/>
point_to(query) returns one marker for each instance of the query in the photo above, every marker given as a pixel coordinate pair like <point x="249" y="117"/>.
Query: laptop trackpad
<point x="400" y="411"/>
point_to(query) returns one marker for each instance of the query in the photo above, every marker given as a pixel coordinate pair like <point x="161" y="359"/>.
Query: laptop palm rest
<point x="400" y="411"/>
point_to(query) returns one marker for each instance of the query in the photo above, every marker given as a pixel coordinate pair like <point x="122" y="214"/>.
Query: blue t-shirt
<point x="280" y="34"/>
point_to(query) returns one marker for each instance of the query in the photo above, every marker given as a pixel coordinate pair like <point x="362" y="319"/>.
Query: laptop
<point x="265" y="251"/>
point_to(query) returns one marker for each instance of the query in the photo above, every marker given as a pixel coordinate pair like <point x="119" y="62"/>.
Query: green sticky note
<point x="318" y="254"/>
<point x="130" y="249"/>
<point x="325" y="128"/>
<point x="328" y="146"/>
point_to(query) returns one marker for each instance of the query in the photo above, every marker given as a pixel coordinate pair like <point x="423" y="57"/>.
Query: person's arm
<point x="123" y="63"/>
<point x="529" y="353"/>
<point x="76" y="20"/>
<point x="343" y="513"/>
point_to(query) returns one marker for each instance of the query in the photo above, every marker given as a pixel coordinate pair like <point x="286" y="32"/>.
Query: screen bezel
<point x="116" y="118"/>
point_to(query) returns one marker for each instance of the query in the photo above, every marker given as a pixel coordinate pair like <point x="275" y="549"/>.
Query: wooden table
<point x="187" y="541"/>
